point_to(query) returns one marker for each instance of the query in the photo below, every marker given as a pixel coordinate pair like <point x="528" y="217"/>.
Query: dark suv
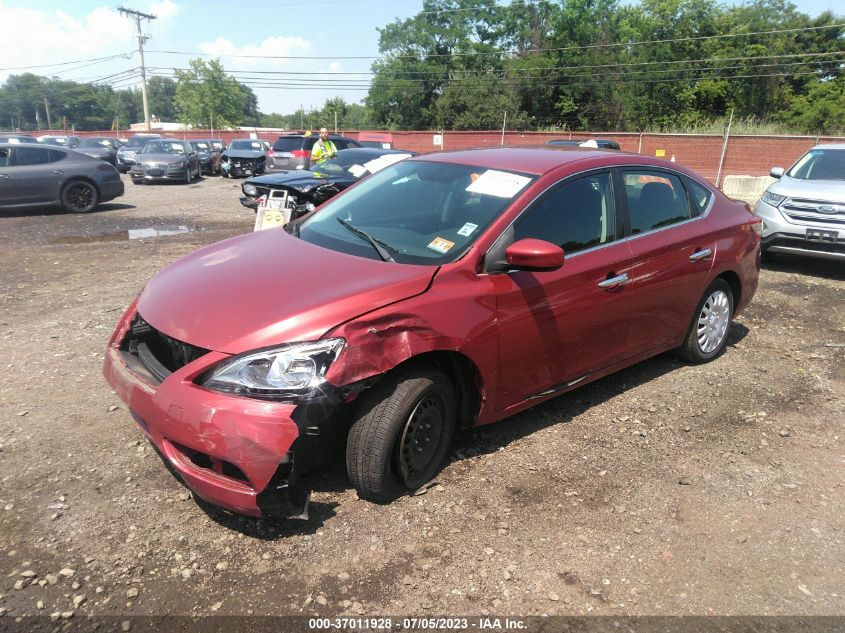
<point x="293" y="151"/>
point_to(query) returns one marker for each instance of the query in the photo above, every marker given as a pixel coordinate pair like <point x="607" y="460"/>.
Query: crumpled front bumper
<point x="233" y="452"/>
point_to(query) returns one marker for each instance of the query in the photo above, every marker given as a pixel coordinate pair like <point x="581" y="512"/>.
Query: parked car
<point x="208" y="156"/>
<point x="308" y="189"/>
<point x="71" y="142"/>
<point x="126" y="153"/>
<point x="37" y="175"/>
<point x="447" y="290"/>
<point x="165" y="159"/>
<point x="243" y="157"/>
<point x="803" y="212"/>
<point x="217" y="144"/>
<point x="101" y="147"/>
<point x="379" y="140"/>
<point x="601" y="143"/>
<point x="293" y="151"/>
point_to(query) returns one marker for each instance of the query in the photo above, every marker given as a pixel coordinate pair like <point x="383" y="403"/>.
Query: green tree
<point x="161" y="94"/>
<point x="206" y="95"/>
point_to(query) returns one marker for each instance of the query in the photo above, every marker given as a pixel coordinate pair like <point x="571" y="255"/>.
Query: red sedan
<point x="449" y="290"/>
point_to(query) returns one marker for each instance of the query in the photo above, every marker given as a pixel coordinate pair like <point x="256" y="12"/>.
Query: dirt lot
<point x="665" y="489"/>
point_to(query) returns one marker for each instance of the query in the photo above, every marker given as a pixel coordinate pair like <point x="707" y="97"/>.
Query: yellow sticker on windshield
<point x="441" y="245"/>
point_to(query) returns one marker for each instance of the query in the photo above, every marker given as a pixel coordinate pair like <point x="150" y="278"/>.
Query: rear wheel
<point x="80" y="196"/>
<point x="711" y="324"/>
<point x="402" y="432"/>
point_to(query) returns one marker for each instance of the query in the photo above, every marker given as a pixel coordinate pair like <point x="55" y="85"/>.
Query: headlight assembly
<point x="249" y="189"/>
<point x="280" y="373"/>
<point x="772" y="198"/>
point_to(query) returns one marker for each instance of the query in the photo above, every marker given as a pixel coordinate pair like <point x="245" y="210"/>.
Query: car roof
<point x="830" y="146"/>
<point x="371" y="151"/>
<point x="527" y="159"/>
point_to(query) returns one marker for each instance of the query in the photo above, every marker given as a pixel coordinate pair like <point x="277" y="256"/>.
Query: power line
<point x="522" y="52"/>
<point x="78" y="61"/>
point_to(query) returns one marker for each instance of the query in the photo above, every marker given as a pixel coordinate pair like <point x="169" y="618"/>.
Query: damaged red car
<point x="446" y="291"/>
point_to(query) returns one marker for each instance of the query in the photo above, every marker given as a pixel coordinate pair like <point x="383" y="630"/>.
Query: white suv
<point x="804" y="211"/>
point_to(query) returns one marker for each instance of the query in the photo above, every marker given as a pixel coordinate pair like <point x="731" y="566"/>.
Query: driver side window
<point x="575" y="215"/>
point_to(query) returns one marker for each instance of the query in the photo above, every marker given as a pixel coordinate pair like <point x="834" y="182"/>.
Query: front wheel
<point x="708" y="333"/>
<point x="80" y="196"/>
<point x="402" y="432"/>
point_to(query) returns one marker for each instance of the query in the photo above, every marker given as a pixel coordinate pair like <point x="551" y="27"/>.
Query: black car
<point x="71" y="142"/>
<point x="293" y="151"/>
<point x="17" y="138"/>
<point x="308" y="189"/>
<point x="101" y="147"/>
<point x="243" y="157"/>
<point x="37" y="175"/>
<point x="209" y="157"/>
<point x="601" y="143"/>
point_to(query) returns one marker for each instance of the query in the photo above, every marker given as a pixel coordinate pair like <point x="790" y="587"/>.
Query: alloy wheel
<point x="713" y="321"/>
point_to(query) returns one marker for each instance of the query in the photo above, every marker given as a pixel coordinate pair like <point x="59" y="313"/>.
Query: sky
<point x="67" y="39"/>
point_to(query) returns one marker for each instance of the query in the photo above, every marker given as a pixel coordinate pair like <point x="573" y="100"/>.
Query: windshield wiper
<point x="381" y="247"/>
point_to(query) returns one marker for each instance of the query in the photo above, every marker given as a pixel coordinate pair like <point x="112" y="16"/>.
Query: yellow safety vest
<point x="321" y="151"/>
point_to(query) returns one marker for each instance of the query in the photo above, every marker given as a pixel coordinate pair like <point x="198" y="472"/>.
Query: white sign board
<point x="438" y="140"/>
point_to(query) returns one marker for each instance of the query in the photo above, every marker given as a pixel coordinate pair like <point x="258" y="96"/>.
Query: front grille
<point x="159" y="354"/>
<point x="804" y="211"/>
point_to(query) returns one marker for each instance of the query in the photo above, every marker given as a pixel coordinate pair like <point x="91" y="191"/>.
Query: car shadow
<point x="332" y="478"/>
<point x="816" y="267"/>
<point x="47" y="211"/>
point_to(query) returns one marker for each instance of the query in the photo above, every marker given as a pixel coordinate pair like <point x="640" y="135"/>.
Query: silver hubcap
<point x="713" y="322"/>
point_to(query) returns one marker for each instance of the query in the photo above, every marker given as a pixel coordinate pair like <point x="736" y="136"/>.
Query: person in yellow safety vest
<point x="323" y="148"/>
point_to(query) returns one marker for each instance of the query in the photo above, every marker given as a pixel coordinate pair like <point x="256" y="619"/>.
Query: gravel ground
<point x="665" y="489"/>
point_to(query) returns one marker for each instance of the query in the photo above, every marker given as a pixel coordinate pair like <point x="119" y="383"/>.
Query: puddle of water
<point x="122" y="236"/>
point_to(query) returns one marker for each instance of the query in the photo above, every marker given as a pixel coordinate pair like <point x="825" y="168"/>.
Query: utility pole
<point x="47" y="109"/>
<point x="137" y="16"/>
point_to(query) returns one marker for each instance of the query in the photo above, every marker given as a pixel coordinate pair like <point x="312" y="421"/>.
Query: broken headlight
<point x="277" y="373"/>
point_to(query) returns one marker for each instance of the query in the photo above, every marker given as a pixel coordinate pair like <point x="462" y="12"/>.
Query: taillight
<point x="270" y="153"/>
<point x="300" y="153"/>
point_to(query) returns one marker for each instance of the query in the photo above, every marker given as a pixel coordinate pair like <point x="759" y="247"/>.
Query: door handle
<point x="58" y="171"/>
<point x="700" y="254"/>
<point x="614" y="282"/>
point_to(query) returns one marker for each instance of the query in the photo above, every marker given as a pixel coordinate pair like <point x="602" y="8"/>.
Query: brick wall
<point x="746" y="155"/>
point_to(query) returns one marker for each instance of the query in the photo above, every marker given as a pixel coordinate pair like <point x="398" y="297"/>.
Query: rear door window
<point x="25" y="156"/>
<point x="656" y="199"/>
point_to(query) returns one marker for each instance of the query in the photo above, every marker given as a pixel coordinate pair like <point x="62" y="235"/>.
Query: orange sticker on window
<point x="441" y="245"/>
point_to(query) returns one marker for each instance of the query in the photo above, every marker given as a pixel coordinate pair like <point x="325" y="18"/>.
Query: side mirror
<point x="776" y="172"/>
<point x="534" y="255"/>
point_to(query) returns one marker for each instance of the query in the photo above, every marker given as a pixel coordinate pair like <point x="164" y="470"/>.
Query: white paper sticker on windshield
<point x="467" y="229"/>
<point x="383" y="161"/>
<point x="498" y="183"/>
<point x="357" y="170"/>
<point x="440" y="245"/>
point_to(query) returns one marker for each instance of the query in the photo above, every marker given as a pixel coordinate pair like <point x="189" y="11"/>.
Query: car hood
<point x="822" y="190"/>
<point x="160" y="158"/>
<point x="243" y="153"/>
<point x="300" y="180"/>
<point x="268" y="288"/>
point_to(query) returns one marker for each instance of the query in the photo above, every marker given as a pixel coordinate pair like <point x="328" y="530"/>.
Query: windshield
<point x="421" y="212"/>
<point x="139" y="141"/>
<point x="356" y="164"/>
<point x="251" y="145"/>
<point x="163" y="147"/>
<point x="203" y="147"/>
<point x="820" y="164"/>
<point x="94" y="142"/>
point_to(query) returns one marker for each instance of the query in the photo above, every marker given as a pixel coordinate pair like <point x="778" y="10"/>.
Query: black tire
<point x="707" y="337"/>
<point x="188" y="175"/>
<point x="80" y="196"/>
<point x="413" y="408"/>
